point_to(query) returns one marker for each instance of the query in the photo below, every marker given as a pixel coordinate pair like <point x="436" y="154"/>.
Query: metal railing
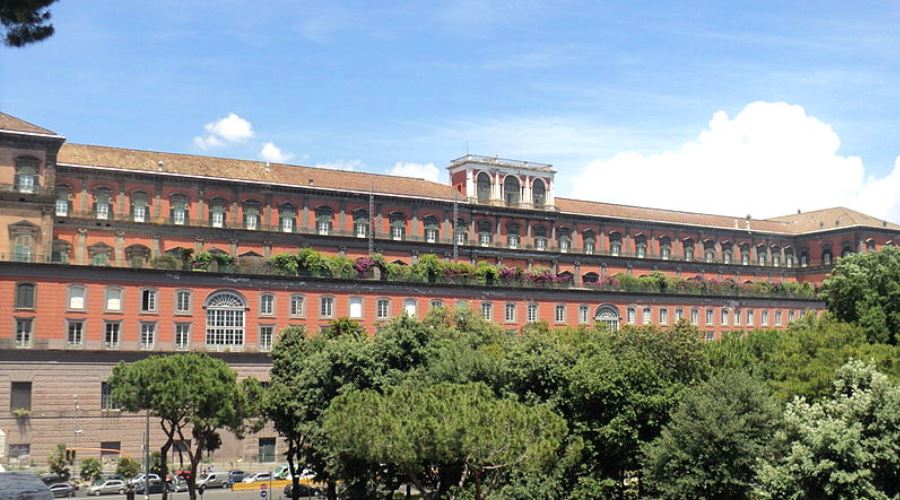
<point x="13" y="188"/>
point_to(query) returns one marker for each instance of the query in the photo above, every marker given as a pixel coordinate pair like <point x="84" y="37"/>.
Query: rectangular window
<point x="790" y="315"/>
<point x="679" y="314"/>
<point x="148" y="336"/>
<point x="140" y="213"/>
<point x="218" y="217"/>
<point x="409" y="307"/>
<point x="560" y="315"/>
<point x="20" y="396"/>
<point x="584" y="314"/>
<point x="25" y="296"/>
<point x="486" y="310"/>
<point x="265" y="338"/>
<point x="324" y="227"/>
<point x="106" y="400"/>
<point x="750" y="317"/>
<point x="383" y="309"/>
<point x="148" y="300"/>
<point x="327" y="307"/>
<point x="267" y="305"/>
<point x="113" y="299"/>
<point x="764" y="317"/>
<point x="182" y="336"/>
<point x="75" y="332"/>
<point x="110" y="451"/>
<point x="778" y="318"/>
<point x="266" y="449"/>
<point x="111" y="334"/>
<point x="532" y="313"/>
<point x="23" y="331"/>
<point x="695" y="316"/>
<point x="663" y="316"/>
<point x="19" y="451"/>
<point x="724" y="321"/>
<point x="62" y="207"/>
<point x="510" y="313"/>
<point x="296" y="305"/>
<point x="397" y="232"/>
<point x="76" y="297"/>
<point x="630" y="316"/>
<point x="356" y="307"/>
<point x="737" y="317"/>
<point x="287" y="224"/>
<point x="647" y="316"/>
<point x="709" y="316"/>
<point x="182" y="302"/>
<point x="179" y="215"/>
<point x="710" y="336"/>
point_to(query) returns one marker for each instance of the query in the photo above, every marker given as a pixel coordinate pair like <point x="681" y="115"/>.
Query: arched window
<point x="565" y="242"/>
<point x="137" y="255"/>
<point x="727" y="253"/>
<point x="846" y="250"/>
<point x="761" y="256"/>
<point x="398" y="226"/>
<point x="63" y="201"/>
<point x="431" y="229"/>
<point x="462" y="235"/>
<point x="484" y="187"/>
<point x="538" y="193"/>
<point x="512" y="190"/>
<point x="361" y="224"/>
<point x="789" y="259"/>
<point x="607" y="315"/>
<point x="689" y="250"/>
<point x="590" y="243"/>
<point x="251" y="215"/>
<point x="139" y="206"/>
<point x="665" y="248"/>
<point x="225" y="319"/>
<point x="709" y="251"/>
<point x="615" y="244"/>
<point x="100" y="254"/>
<point x="826" y="257"/>
<point x="178" y="209"/>
<point x="540" y="238"/>
<point x="103" y="203"/>
<point x="60" y="252"/>
<point x="323" y="220"/>
<point x="26" y="180"/>
<point x="484" y="233"/>
<point x="776" y="256"/>
<point x="745" y="255"/>
<point x="217" y="212"/>
<point x="286" y="215"/>
<point x="640" y="246"/>
<point x="591" y="277"/>
<point x="512" y="235"/>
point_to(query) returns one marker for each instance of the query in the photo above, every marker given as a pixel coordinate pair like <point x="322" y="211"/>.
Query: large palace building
<point x="89" y="235"/>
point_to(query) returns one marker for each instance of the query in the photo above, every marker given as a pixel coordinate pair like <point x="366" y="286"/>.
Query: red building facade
<point x="87" y="231"/>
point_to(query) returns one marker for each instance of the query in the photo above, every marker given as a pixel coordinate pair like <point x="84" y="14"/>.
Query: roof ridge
<point x="668" y="210"/>
<point x="44" y="130"/>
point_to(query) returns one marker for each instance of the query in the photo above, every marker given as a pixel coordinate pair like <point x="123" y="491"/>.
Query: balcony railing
<point x="13" y="188"/>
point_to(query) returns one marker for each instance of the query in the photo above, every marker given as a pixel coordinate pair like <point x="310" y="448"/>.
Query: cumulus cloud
<point x="271" y="152"/>
<point x="231" y="128"/>
<point x="769" y="159"/>
<point x="342" y="164"/>
<point x="426" y="171"/>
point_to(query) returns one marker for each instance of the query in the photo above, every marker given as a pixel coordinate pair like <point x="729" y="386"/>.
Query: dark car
<point x="50" y="478"/>
<point x="156" y="486"/>
<point x="62" y="490"/>
<point x="305" y="491"/>
<point x="237" y="476"/>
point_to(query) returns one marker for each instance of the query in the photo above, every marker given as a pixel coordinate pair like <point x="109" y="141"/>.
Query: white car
<point x="140" y="479"/>
<point x="258" y="477"/>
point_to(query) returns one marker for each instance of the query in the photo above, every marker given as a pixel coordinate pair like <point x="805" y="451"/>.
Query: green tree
<point x="864" y="289"/>
<point x="25" y="21"/>
<point x="128" y="467"/>
<point x="710" y="447"/>
<point x="445" y="437"/>
<point x="846" y="446"/>
<point x="91" y="468"/>
<point x="58" y="462"/>
<point x="191" y="394"/>
<point x="158" y="465"/>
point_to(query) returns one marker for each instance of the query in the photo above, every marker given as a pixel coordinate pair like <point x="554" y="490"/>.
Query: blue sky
<point x="620" y="96"/>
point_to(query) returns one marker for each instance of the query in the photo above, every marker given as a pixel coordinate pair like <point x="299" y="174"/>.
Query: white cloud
<point x="271" y="152"/>
<point x="342" y="164"/>
<point x="770" y="159"/>
<point x="426" y="171"/>
<point x="231" y="128"/>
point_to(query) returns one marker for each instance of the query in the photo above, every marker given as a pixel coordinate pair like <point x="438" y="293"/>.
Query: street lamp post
<point x="147" y="456"/>
<point x="75" y="447"/>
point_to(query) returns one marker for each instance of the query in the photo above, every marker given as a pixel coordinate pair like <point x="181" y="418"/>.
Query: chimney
<point x="160" y="165"/>
<point x="312" y="182"/>
<point x="837" y="222"/>
<point x="748" y="221"/>
<point x="267" y="167"/>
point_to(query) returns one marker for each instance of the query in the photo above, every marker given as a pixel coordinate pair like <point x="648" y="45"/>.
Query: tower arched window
<point x="225" y="319"/>
<point x="484" y="187"/>
<point x="512" y="190"/>
<point x="538" y="193"/>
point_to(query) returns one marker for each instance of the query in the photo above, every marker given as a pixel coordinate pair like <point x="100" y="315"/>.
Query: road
<point x="217" y="494"/>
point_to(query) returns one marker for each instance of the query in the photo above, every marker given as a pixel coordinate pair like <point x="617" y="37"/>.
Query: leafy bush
<point x="128" y="467"/>
<point x="165" y="262"/>
<point x="91" y="468"/>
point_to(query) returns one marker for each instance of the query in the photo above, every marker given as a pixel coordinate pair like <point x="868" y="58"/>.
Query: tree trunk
<point x="295" y="478"/>
<point x="332" y="490"/>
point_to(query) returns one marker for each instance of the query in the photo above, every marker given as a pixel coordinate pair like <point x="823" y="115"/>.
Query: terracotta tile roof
<point x="11" y="123"/>
<point x="569" y="205"/>
<point x="247" y="170"/>
<point x="831" y="218"/>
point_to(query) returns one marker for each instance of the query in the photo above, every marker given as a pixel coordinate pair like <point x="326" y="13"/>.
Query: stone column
<point x="119" y="249"/>
<point x="121" y="207"/>
<point x="234" y="248"/>
<point x="267" y="249"/>
<point x="155" y="247"/>
<point x="578" y="278"/>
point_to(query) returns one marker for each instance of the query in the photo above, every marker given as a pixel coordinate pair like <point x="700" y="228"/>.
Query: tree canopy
<point x="25" y="21"/>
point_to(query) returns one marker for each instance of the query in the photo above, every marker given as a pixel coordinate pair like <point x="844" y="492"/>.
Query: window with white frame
<point x="356" y="307"/>
<point x="689" y="250"/>
<point x="565" y="243"/>
<point x="286" y="218"/>
<point x="114" y="299"/>
<point x="640" y="247"/>
<point x="630" y="315"/>
<point x="183" y="301"/>
<point x="663" y="316"/>
<point x="24" y="328"/>
<point x="764" y="317"/>
<point x="148" y="336"/>
<point x="398" y="227"/>
<point x="267" y="304"/>
<point x="26" y="176"/>
<point x="409" y="307"/>
<point x="589" y="246"/>
<point x="217" y="215"/>
<point x="615" y="245"/>
<point x="510" y="313"/>
<point x="266" y="333"/>
<point x="695" y="316"/>
<point x="77" y="297"/>
<point x="790" y="315"/>
<point x="540" y="238"/>
<point x="584" y="313"/>
<point x="62" y="202"/>
<point x="665" y="249"/>
<point x="74" y="332"/>
<point x="326" y="307"/>
<point x="724" y="321"/>
<point x="679" y="314"/>
<point x="148" y="300"/>
<point x="513" y="239"/>
<point x="323" y="221"/>
<point x="182" y="336"/>
<point x="383" y="309"/>
<point x="178" y="210"/>
<point x="139" y="206"/>
<point x="609" y="316"/>
<point x="111" y="336"/>
<point x="251" y="217"/>
<point x="778" y="318"/>
<point x="560" y="313"/>
<point x="297" y="306"/>
<point x="486" y="310"/>
<point x="361" y="225"/>
<point x="225" y="319"/>
<point x="750" y="318"/>
<point x="532" y="313"/>
<point x="431" y="230"/>
<point x="710" y="314"/>
<point x="102" y="204"/>
<point x="710" y="336"/>
<point x="647" y="318"/>
<point x="737" y="317"/>
<point x="437" y="303"/>
<point x="484" y="233"/>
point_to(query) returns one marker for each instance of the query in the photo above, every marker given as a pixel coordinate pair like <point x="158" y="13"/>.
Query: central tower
<point x="497" y="181"/>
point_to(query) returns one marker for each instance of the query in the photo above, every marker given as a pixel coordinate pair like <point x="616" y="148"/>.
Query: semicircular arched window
<point x="225" y="319"/>
<point x="607" y="315"/>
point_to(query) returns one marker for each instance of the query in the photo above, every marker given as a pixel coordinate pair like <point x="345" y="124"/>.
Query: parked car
<point x="62" y="490"/>
<point x="213" y="480"/>
<point x="305" y="491"/>
<point x="237" y="476"/>
<point x="178" y="484"/>
<point x="51" y="478"/>
<point x="139" y="479"/>
<point x="103" y="487"/>
<point x="258" y="477"/>
<point x="156" y="486"/>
